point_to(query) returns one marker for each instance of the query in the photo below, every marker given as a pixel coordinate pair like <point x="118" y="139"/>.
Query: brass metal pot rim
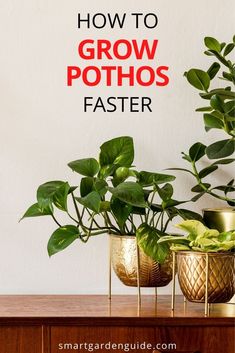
<point x="198" y="253"/>
<point x="220" y="210"/>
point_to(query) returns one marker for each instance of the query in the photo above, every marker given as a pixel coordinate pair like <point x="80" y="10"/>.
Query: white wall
<point x="43" y="126"/>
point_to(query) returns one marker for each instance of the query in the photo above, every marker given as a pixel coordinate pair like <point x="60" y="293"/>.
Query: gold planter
<point x="192" y="276"/>
<point x="221" y="219"/>
<point x="124" y="263"/>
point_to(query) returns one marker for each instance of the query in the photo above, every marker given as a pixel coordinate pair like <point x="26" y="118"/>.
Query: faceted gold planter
<point x="221" y="219"/>
<point x="192" y="276"/>
<point x="124" y="262"/>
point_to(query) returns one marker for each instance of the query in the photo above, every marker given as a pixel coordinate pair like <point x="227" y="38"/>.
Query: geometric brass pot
<point x="124" y="263"/>
<point x="221" y="219"/>
<point x="191" y="268"/>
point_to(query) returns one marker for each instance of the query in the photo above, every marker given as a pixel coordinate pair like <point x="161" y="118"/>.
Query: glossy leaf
<point x="193" y="227"/>
<point x="212" y="44"/>
<point x="199" y="79"/>
<point x="229" y="47"/>
<point x="147" y="238"/>
<point x="224" y="94"/>
<point x="200" y="189"/>
<point x="36" y="211"/>
<point x="197" y="151"/>
<point x="86" y="186"/>
<point x="131" y="193"/>
<point x="88" y="166"/>
<point x="118" y="151"/>
<point x="206" y="171"/>
<point x="121" y="211"/>
<point x="221" y="149"/>
<point x="217" y="103"/>
<point x="166" y="192"/>
<point x="213" y="70"/>
<point x="53" y="192"/>
<point x="224" y="161"/>
<point x="204" y="109"/>
<point x="91" y="201"/>
<point x="148" y="178"/>
<point x="187" y="214"/>
<point x="62" y="238"/>
<point x="213" y="122"/>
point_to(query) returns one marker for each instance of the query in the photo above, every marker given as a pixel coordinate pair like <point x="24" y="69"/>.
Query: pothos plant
<point x="219" y="113"/>
<point x="112" y="197"/>
<point x="200" y="238"/>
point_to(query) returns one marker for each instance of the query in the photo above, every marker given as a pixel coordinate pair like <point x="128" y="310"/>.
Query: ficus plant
<point x="218" y="113"/>
<point x="111" y="197"/>
<point x="200" y="238"/>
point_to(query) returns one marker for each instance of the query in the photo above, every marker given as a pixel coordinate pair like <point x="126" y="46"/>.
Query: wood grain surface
<point x="38" y="324"/>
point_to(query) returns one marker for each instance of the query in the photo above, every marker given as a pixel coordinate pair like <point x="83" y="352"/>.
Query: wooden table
<point x="44" y="324"/>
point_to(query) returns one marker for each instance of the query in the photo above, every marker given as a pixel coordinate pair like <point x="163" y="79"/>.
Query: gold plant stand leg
<point x="138" y="272"/>
<point x="173" y="283"/>
<point x="110" y="270"/>
<point x="206" y="286"/>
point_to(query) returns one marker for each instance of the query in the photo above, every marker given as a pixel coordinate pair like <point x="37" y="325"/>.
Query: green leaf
<point x="53" y="192"/>
<point x="147" y="238"/>
<point x="197" y="151"/>
<point x="36" y="211"/>
<point x="120" y="175"/>
<point x="229" y="47"/>
<point x="224" y="94"/>
<point x="213" y="70"/>
<point x="118" y="151"/>
<point x="187" y="214"/>
<point x="166" y="192"/>
<point x="91" y="201"/>
<point x="227" y="76"/>
<point x="193" y="227"/>
<point x="212" y="44"/>
<point x="217" y="103"/>
<point x="208" y="170"/>
<point x="100" y="186"/>
<point x="213" y="122"/>
<point x="197" y="197"/>
<point x="86" y="186"/>
<point x="129" y="192"/>
<point x="229" y="108"/>
<point x="221" y="149"/>
<point x="175" y="239"/>
<point x="224" y="161"/>
<point x="62" y="238"/>
<point x="198" y="79"/>
<point x="204" y="109"/>
<point x="200" y="189"/>
<point x="149" y="178"/>
<point x="88" y="166"/>
<point x="121" y="211"/>
<point x="171" y="203"/>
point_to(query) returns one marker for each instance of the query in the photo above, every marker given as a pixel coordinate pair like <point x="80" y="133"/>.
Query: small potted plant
<point x="218" y="113"/>
<point x="191" y="251"/>
<point x="114" y="198"/>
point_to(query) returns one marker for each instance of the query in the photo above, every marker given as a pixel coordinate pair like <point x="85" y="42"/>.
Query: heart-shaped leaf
<point x="62" y="238"/>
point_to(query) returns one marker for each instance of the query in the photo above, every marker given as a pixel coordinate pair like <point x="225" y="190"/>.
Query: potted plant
<point x="113" y="197"/>
<point x="218" y="113"/>
<point x="191" y="251"/>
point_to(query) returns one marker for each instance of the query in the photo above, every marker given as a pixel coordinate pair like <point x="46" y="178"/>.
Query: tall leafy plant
<point x="218" y="113"/>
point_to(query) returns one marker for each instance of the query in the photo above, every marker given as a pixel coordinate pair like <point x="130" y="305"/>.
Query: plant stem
<point x="208" y="191"/>
<point x="56" y="220"/>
